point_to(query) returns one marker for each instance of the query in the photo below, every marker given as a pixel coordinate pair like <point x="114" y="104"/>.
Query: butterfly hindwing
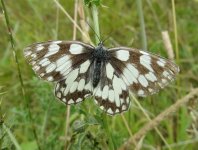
<point x="143" y="72"/>
<point x="53" y="60"/>
<point x="76" y="86"/>
<point x="111" y="94"/>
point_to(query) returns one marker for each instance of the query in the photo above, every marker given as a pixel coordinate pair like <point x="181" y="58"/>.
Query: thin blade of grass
<point x="175" y="30"/>
<point x="12" y="137"/>
<point x="96" y="23"/>
<point x="128" y="128"/>
<point x="57" y="22"/>
<point x="142" y="24"/>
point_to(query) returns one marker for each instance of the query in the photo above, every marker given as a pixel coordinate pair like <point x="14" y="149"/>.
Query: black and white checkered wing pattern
<point x="77" y="85"/>
<point x="144" y="73"/>
<point x="111" y="94"/>
<point x="52" y="61"/>
<point x="64" y="62"/>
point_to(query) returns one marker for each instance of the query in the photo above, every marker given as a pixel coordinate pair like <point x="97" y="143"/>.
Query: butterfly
<point x="108" y="75"/>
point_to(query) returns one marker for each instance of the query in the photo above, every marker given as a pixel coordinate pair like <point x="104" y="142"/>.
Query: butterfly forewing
<point x="144" y="73"/>
<point x="53" y="60"/>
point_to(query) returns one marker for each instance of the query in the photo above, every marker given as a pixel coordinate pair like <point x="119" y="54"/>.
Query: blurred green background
<point x="35" y="21"/>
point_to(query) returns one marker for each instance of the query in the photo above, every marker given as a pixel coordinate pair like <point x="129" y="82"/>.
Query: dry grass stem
<point x="149" y="119"/>
<point x="168" y="45"/>
<point x="72" y="20"/>
<point x="67" y="127"/>
<point x="175" y="29"/>
<point x="162" y="116"/>
<point x="68" y="106"/>
<point x="83" y="23"/>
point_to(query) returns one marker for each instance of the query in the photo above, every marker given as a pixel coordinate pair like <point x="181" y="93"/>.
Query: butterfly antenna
<point x="94" y="32"/>
<point x="107" y="37"/>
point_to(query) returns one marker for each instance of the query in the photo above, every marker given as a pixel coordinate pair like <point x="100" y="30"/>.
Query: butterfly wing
<point x="111" y="94"/>
<point x="76" y="86"/>
<point x="143" y="72"/>
<point x="53" y="60"/>
<point x="65" y="62"/>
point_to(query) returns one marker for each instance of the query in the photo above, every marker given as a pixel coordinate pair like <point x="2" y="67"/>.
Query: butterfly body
<point x="100" y="57"/>
<point x="108" y="75"/>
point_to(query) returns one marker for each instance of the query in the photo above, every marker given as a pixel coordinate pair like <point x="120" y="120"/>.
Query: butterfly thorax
<point x="100" y="53"/>
<point x="99" y="57"/>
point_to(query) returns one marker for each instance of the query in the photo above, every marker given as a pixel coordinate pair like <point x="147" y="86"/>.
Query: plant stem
<point x="142" y="24"/>
<point x="175" y="30"/>
<point x="96" y="23"/>
<point x="57" y="21"/>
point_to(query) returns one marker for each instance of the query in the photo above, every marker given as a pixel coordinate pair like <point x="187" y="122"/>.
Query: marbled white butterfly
<point x="108" y="75"/>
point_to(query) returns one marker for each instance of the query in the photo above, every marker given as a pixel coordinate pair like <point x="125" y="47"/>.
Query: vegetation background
<point x="30" y="116"/>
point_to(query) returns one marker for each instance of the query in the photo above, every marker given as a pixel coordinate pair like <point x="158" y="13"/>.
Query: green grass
<point x="41" y="123"/>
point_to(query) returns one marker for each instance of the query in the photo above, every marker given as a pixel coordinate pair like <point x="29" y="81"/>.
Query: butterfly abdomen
<point x="96" y="73"/>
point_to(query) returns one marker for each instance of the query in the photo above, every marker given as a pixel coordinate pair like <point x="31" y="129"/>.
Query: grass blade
<point x="142" y="24"/>
<point x="13" y="139"/>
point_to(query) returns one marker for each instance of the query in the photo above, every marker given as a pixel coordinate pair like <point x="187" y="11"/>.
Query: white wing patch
<point x="122" y="55"/>
<point x="109" y="71"/>
<point x="39" y="48"/>
<point x="143" y="81"/>
<point x="84" y="66"/>
<point x="52" y="49"/>
<point x="145" y="60"/>
<point x="51" y="67"/>
<point x="161" y="62"/>
<point x="76" y="49"/>
<point x="43" y="62"/>
<point x="151" y="77"/>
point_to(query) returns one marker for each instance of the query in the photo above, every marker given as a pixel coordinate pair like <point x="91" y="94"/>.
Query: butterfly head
<point x="101" y="46"/>
<point x="100" y="52"/>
